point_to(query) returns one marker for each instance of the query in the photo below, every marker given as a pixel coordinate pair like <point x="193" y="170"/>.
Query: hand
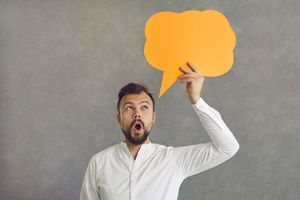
<point x="194" y="82"/>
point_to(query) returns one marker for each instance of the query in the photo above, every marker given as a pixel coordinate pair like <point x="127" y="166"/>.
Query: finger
<point x="192" y="75"/>
<point x="186" y="80"/>
<point x="185" y="70"/>
<point x="194" y="68"/>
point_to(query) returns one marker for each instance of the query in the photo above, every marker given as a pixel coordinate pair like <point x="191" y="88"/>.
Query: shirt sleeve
<point x="89" y="189"/>
<point x="194" y="159"/>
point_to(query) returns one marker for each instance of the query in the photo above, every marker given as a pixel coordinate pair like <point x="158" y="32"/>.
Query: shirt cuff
<point x="200" y="104"/>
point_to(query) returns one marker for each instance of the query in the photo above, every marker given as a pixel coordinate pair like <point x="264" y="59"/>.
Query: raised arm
<point x="194" y="159"/>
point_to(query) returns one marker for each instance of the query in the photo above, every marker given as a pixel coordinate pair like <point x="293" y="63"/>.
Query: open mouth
<point x="137" y="126"/>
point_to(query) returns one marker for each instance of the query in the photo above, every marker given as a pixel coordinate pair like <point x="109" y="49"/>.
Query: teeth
<point x="138" y="123"/>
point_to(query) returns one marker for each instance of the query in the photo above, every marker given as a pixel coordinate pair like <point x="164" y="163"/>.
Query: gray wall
<point x="63" y="62"/>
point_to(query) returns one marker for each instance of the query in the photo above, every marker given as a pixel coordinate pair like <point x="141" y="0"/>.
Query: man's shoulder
<point x="105" y="152"/>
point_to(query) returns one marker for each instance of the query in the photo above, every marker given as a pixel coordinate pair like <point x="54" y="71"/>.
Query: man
<point x="137" y="169"/>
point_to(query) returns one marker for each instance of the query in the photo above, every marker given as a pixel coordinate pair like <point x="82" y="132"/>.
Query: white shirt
<point x="158" y="170"/>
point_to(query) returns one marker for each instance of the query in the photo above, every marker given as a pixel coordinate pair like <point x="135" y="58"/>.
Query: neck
<point x="134" y="149"/>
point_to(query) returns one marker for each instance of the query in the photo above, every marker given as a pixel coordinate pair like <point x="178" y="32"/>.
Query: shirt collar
<point x="143" y="146"/>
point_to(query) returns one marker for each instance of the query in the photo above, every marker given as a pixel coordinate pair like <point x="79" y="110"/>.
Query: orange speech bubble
<point x="205" y="38"/>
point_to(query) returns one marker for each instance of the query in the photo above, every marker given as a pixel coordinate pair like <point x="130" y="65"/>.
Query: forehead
<point x="136" y="98"/>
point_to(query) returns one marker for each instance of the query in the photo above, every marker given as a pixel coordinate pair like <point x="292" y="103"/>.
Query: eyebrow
<point x="139" y="103"/>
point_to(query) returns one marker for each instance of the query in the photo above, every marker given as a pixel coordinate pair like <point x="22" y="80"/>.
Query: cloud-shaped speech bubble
<point x="205" y="38"/>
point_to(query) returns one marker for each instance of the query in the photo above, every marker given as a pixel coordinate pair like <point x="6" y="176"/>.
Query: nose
<point x="136" y="116"/>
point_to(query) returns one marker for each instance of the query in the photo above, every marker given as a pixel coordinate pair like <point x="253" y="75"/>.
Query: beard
<point x="136" y="140"/>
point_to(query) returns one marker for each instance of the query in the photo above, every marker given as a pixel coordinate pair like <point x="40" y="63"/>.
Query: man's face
<point x="136" y="117"/>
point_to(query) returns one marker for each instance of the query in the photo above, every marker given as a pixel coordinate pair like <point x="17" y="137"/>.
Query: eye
<point x="128" y="107"/>
<point x="146" y="107"/>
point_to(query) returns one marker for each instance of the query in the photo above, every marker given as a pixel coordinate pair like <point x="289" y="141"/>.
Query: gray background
<point x="62" y="64"/>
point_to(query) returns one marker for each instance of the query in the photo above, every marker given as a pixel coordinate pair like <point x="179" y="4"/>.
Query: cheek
<point x="149" y="119"/>
<point x="125" y="120"/>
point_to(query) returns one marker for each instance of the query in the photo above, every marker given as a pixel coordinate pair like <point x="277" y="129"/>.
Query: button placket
<point x="133" y="179"/>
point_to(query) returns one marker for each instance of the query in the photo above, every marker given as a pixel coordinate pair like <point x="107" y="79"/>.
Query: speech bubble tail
<point x="167" y="80"/>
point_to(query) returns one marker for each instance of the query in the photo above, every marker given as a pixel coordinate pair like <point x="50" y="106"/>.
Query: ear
<point x="118" y="117"/>
<point x="154" y="117"/>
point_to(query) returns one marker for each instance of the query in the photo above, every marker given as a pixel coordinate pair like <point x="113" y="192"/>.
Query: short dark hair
<point x="134" y="88"/>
